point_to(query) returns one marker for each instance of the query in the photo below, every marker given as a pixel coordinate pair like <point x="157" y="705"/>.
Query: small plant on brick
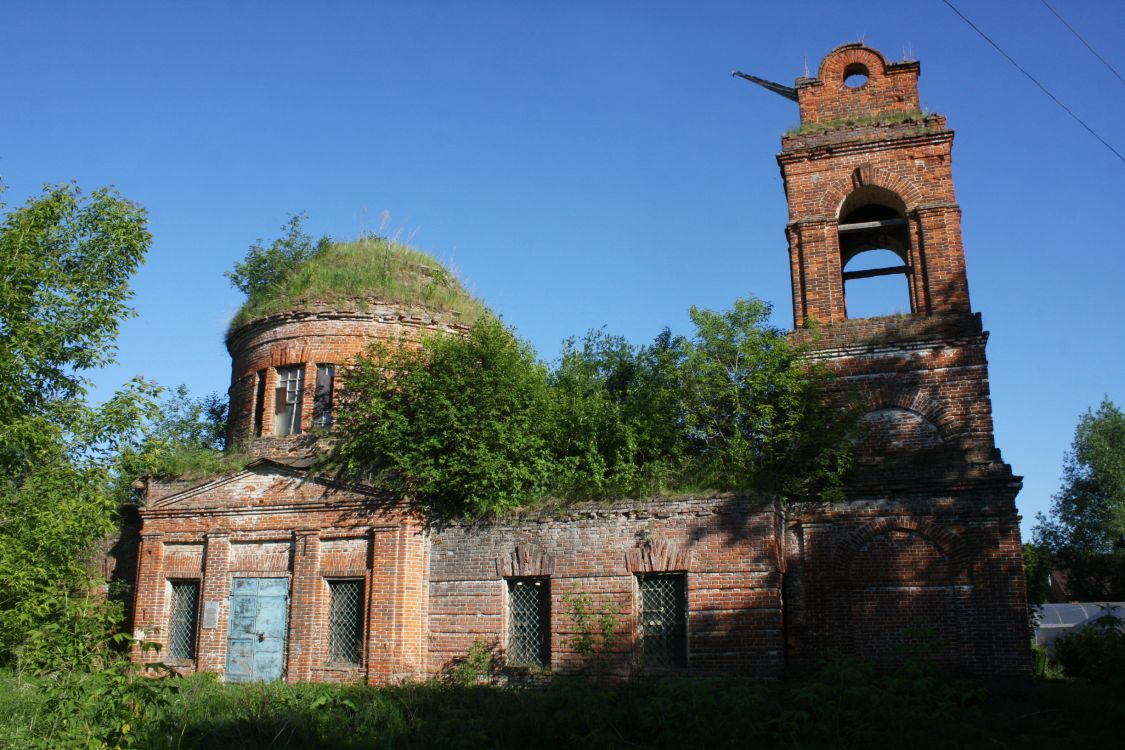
<point x="475" y="666"/>
<point x="595" y="629"/>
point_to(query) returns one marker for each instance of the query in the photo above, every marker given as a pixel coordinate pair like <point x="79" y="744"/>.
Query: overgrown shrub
<point x="293" y="271"/>
<point x="267" y="266"/>
<point x="1095" y="652"/>
<point x="474" y="424"/>
<point x="594" y="628"/>
<point x="461" y="424"/>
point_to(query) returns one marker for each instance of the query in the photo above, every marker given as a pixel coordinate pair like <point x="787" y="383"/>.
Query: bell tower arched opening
<point x="874" y="243"/>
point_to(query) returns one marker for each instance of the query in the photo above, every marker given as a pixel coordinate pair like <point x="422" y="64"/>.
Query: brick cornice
<point x="813" y="151"/>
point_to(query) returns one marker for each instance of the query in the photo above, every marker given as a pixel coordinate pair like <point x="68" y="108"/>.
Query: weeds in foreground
<point x="843" y="705"/>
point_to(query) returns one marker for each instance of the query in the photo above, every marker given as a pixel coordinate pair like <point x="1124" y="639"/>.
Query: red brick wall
<point x="273" y="522"/>
<point x="430" y="596"/>
<point x="925" y="573"/>
<point x="727" y="546"/>
<point x="319" y="334"/>
<point x="890" y="88"/>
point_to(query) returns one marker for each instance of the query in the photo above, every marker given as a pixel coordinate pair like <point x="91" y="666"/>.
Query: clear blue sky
<point x="581" y="163"/>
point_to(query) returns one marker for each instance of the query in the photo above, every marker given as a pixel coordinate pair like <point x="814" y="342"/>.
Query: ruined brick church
<point x="279" y="572"/>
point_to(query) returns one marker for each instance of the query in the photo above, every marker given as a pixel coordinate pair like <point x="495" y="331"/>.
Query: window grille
<point x="663" y="621"/>
<point x="322" y="398"/>
<point x="345" y="621"/>
<point x="529" y="621"/>
<point x="287" y="400"/>
<point x="181" y="624"/>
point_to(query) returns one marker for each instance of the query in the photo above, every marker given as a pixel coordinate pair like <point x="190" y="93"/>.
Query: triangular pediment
<point x="264" y="483"/>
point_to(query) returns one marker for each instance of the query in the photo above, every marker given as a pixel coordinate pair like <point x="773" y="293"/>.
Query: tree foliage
<point x="1085" y="531"/>
<point x="66" y="260"/>
<point x="459" y="424"/>
<point x="183" y="437"/>
<point x="755" y="411"/>
<point x="267" y="266"/>
<point x="475" y="424"/>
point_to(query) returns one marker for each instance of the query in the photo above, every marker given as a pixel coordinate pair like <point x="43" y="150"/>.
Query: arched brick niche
<point x="285" y="368"/>
<point x="895" y="431"/>
<point x="898" y="592"/>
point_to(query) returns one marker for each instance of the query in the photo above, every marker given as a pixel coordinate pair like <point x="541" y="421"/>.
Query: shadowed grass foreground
<point x="842" y="706"/>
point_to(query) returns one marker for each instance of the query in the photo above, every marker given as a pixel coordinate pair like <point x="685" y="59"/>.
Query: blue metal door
<point x="256" y="637"/>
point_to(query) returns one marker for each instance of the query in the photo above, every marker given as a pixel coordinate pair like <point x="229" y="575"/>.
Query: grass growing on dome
<point x="351" y="273"/>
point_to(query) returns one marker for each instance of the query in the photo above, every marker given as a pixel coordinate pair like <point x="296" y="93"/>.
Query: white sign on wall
<point x="210" y="615"/>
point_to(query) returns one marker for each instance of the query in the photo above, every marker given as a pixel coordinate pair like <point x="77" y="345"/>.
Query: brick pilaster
<point x="306" y="602"/>
<point x="150" y="613"/>
<point x="215" y="592"/>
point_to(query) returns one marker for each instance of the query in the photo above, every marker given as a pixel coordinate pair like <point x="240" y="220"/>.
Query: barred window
<point x="287" y="400"/>
<point x="181" y="623"/>
<point x="322" y="398"/>
<point x="663" y="620"/>
<point x="529" y="621"/>
<point x="345" y="620"/>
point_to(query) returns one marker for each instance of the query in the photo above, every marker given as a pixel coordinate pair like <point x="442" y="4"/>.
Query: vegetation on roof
<point x="183" y="437"/>
<point x="472" y="426"/>
<point x="293" y="272"/>
<point x="893" y="118"/>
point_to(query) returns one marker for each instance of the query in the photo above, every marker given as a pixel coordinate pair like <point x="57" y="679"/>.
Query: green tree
<point x="474" y="424"/>
<point x="756" y="412"/>
<point x="459" y="424"/>
<point x="66" y="260"/>
<point x="602" y="440"/>
<point x="1085" y="531"/>
<point x="266" y="266"/>
<point x="184" y="436"/>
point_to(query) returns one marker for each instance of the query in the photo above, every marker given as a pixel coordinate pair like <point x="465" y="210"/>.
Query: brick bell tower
<point x="924" y="559"/>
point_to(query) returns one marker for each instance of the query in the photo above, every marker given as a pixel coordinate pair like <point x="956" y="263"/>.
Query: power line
<point x="1043" y="88"/>
<point x="1093" y="51"/>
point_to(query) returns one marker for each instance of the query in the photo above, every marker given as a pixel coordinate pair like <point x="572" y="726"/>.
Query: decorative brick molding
<point x="831" y="199"/>
<point x="658" y="557"/>
<point x="525" y="561"/>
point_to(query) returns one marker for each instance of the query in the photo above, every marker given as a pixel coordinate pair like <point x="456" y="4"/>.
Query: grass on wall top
<point x="352" y="273"/>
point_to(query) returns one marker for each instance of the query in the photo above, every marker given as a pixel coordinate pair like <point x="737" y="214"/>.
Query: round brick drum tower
<point x="285" y="367"/>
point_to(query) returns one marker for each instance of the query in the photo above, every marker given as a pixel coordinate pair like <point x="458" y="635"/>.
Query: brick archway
<point x="834" y="194"/>
<point x="950" y="543"/>
<point x="875" y="396"/>
<point x="898" y="594"/>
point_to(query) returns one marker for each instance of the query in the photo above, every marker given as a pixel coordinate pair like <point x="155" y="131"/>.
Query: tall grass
<point x="351" y="274"/>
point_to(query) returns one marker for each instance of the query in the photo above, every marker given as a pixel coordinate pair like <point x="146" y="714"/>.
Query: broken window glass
<point x="287" y="401"/>
<point x="322" y="398"/>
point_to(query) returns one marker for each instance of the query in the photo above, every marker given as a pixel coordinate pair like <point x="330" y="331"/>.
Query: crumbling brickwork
<point x="301" y="576"/>
<point x="924" y="558"/>
<point x="727" y="548"/>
